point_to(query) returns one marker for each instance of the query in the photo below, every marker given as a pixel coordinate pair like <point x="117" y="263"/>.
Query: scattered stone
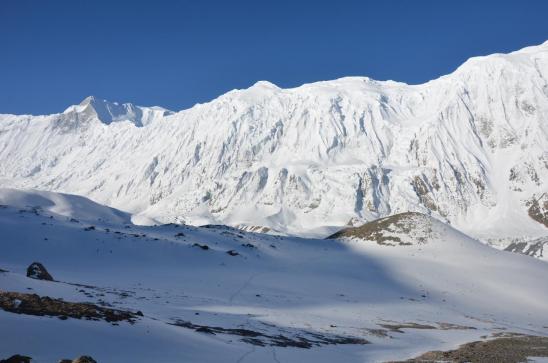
<point x="203" y="247"/>
<point x="397" y="328"/>
<point x="511" y="348"/>
<point x="32" y="304"/>
<point x="451" y="326"/>
<point x="180" y="234"/>
<point x="304" y="339"/>
<point x="37" y="271"/>
<point x="90" y="228"/>
<point x="379" y="333"/>
<point x="232" y="253"/>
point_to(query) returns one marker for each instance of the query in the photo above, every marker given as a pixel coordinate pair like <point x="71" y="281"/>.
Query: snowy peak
<point x="109" y="112"/>
<point x="265" y="85"/>
<point x="468" y="148"/>
<point x="503" y="65"/>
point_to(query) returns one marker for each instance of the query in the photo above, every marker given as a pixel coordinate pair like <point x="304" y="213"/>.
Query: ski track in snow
<point x="246" y="284"/>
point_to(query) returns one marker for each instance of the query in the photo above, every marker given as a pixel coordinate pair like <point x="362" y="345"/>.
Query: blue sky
<point x="177" y="53"/>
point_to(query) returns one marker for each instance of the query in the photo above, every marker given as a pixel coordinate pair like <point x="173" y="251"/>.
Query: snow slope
<point x="434" y="292"/>
<point x="470" y="148"/>
<point x="58" y="204"/>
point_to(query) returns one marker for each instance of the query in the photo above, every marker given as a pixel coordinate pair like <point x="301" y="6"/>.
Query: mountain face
<point x="469" y="148"/>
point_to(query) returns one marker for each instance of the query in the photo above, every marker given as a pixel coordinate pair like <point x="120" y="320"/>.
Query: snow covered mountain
<point x="470" y="148"/>
<point x="63" y="205"/>
<point x="109" y="112"/>
<point x="390" y="290"/>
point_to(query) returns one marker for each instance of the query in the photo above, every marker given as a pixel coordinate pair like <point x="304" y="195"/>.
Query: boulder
<point x="37" y="271"/>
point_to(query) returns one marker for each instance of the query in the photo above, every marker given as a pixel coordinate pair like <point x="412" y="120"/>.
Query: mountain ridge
<point x="468" y="148"/>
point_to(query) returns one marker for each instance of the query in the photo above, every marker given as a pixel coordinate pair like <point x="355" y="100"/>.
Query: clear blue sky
<point x="177" y="53"/>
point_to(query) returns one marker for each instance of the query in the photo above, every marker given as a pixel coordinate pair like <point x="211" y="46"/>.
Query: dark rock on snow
<point x="37" y="271"/>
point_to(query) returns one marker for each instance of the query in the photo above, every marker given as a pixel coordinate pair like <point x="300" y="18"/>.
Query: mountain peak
<point x="93" y="100"/>
<point x="87" y="100"/>
<point x="469" y="149"/>
<point x="264" y="84"/>
<point x="108" y="112"/>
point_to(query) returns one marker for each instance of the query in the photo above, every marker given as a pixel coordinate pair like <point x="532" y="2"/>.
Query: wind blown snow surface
<point x="470" y="148"/>
<point x="272" y="298"/>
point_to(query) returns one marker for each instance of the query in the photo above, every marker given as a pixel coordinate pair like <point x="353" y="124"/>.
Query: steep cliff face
<point x="470" y="148"/>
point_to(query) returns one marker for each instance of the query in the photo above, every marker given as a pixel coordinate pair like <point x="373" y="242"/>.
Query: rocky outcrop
<point x="538" y="209"/>
<point x="533" y="248"/>
<point x="33" y="304"/>
<point x="508" y="348"/>
<point x="400" y="229"/>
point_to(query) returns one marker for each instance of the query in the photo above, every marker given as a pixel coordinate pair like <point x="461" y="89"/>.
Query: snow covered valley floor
<point x="392" y="290"/>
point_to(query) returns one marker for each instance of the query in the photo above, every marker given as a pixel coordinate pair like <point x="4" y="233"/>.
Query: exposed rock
<point x="534" y="248"/>
<point x="538" y="209"/>
<point x="513" y="348"/>
<point x="17" y="358"/>
<point x="37" y="271"/>
<point x="397" y="328"/>
<point x="32" y="304"/>
<point x="303" y="339"/>
<point x="400" y="229"/>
